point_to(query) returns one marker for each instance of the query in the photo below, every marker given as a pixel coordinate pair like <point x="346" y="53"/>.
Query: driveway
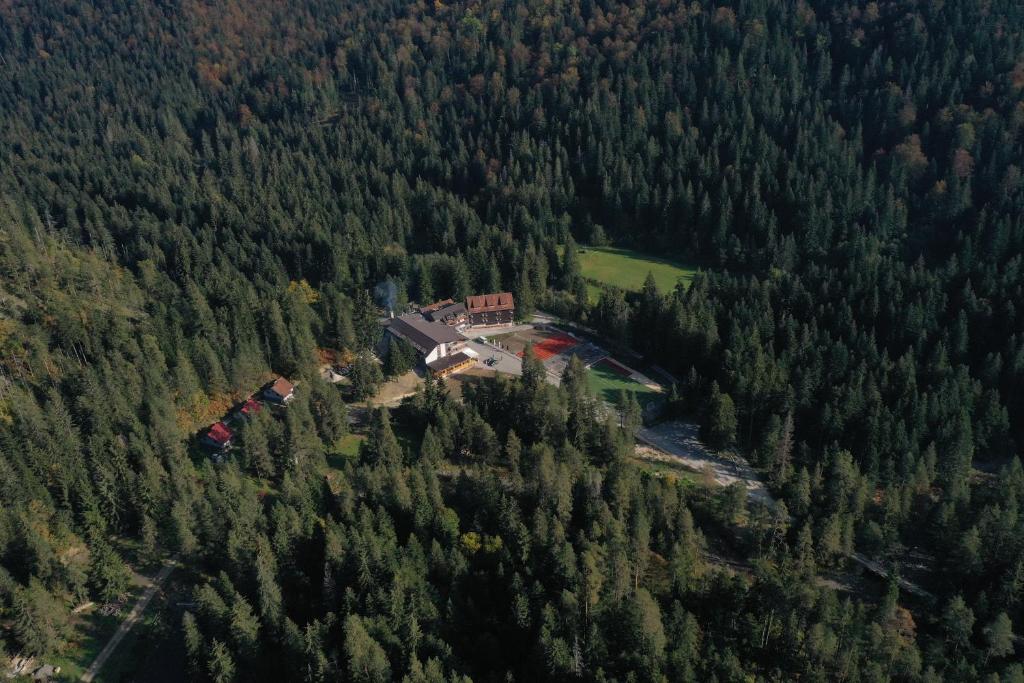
<point x="681" y="441"/>
<point x="507" y="363"/>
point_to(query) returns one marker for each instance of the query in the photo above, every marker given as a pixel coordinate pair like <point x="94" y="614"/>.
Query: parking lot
<point x="505" y="361"/>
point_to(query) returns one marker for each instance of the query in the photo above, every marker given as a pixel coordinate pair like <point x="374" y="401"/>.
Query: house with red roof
<point x="218" y="436"/>
<point x="250" y="408"/>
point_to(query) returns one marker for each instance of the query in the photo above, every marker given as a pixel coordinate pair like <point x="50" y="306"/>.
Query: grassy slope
<point x="606" y="384"/>
<point x="627" y="269"/>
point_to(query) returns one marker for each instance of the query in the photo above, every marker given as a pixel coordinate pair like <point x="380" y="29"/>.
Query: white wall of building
<point x="435" y="353"/>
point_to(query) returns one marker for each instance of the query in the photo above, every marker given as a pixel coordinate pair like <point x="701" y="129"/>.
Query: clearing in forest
<point x="607" y="378"/>
<point x="627" y="269"/>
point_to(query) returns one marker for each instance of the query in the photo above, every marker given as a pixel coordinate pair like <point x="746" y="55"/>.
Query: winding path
<point x="129" y="621"/>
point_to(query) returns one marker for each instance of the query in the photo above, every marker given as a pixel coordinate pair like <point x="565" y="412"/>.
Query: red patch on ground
<point x="552" y="346"/>
<point x="615" y="367"/>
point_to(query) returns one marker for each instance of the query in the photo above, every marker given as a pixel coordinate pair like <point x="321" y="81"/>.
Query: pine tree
<point x="108" y="574"/>
<point x="244" y="628"/>
<point x="256" y="446"/>
<point x="999" y="637"/>
<point x="381" y="446"/>
<point x="329" y="412"/>
<point x="719" y="427"/>
<point x="364" y="320"/>
<point x="365" y="376"/>
<point x="40" y="622"/>
<point x="366" y="660"/>
<point x="220" y="666"/>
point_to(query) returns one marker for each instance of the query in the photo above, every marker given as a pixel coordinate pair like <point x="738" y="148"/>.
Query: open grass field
<point x="627" y="269"/>
<point x="607" y="381"/>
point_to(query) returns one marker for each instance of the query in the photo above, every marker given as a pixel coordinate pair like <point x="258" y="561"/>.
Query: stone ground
<point x="507" y="362"/>
<point x="681" y="441"/>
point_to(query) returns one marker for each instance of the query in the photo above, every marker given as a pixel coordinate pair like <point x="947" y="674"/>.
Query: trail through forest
<point x="129" y="621"/>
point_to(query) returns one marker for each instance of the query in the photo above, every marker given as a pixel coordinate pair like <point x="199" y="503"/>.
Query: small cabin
<point x="249" y="408"/>
<point x="218" y="436"/>
<point x="281" y="391"/>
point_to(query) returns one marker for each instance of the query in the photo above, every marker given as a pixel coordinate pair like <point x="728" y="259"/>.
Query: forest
<point x="199" y="195"/>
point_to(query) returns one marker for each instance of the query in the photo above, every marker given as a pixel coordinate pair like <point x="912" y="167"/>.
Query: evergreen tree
<point x="718" y="429"/>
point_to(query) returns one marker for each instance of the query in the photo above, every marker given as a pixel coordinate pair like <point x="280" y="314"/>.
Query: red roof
<point x="220" y="433"/>
<point x="251" y="407"/>
<point x="486" y="303"/>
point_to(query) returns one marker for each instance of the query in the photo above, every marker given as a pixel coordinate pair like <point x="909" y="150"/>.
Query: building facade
<point x="432" y="340"/>
<point x="490" y="309"/>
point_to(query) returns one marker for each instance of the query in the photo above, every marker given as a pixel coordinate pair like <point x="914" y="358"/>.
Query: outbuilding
<point x="450" y="365"/>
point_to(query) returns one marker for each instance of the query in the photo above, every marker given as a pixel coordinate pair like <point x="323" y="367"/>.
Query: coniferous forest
<point x="199" y="195"/>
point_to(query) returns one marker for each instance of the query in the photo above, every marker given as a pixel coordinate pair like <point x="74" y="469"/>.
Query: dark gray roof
<point x="450" y="309"/>
<point x="442" y="364"/>
<point x="424" y="333"/>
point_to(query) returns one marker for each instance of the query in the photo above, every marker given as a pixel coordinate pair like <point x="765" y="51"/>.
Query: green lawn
<point x="91" y="631"/>
<point x="627" y="269"/>
<point x="349" y="445"/>
<point x="607" y="384"/>
<point x="346" y="449"/>
<point x="686" y="477"/>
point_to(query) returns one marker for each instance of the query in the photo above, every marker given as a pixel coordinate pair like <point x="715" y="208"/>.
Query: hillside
<point x="198" y="197"/>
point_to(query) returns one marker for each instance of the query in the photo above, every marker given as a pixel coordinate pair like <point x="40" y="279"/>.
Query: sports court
<point x="554" y="345"/>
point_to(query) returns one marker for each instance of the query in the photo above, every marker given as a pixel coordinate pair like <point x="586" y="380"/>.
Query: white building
<point x="433" y="340"/>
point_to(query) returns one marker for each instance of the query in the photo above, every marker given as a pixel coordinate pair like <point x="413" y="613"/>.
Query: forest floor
<point x="394" y="390"/>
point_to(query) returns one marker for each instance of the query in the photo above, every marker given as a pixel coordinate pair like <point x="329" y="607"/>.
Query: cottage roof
<point x="282" y="387"/>
<point x="451" y="309"/>
<point x="487" y="303"/>
<point x="436" y="305"/>
<point x="251" y="407"/>
<point x="220" y="433"/>
<point x="424" y="333"/>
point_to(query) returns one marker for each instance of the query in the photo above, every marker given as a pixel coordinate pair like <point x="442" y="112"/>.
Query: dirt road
<point x="129" y="621"/>
<point x="681" y="441"/>
<point x="879" y="569"/>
